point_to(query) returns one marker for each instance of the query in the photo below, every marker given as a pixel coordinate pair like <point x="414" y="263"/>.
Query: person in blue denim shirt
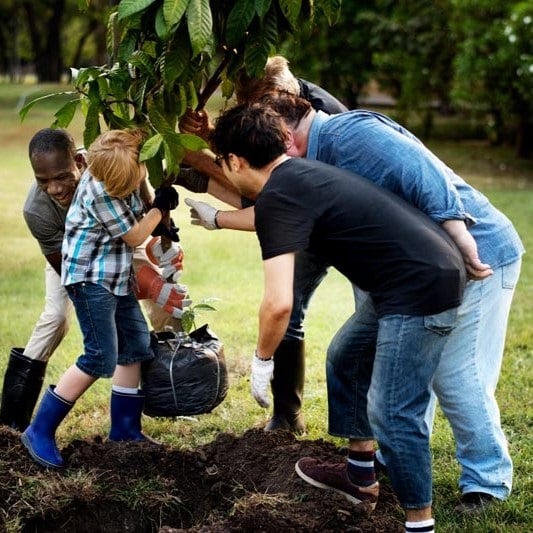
<point x="384" y="152"/>
<point x="103" y="225"/>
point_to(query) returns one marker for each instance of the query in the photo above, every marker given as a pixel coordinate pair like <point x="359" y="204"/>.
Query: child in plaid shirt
<point x="104" y="224"/>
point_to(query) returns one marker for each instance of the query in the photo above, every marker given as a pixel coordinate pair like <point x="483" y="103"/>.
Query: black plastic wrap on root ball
<point x="188" y="375"/>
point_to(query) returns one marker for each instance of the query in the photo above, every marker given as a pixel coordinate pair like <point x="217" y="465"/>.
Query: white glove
<point x="262" y="372"/>
<point x="202" y="214"/>
<point x="170" y="262"/>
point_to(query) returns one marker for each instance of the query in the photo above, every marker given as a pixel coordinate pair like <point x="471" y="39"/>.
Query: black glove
<point x="170" y="232"/>
<point x="166" y="199"/>
<point x="192" y="179"/>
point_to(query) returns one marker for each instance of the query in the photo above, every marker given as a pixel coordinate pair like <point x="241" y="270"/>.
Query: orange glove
<point x="169" y="296"/>
<point x="171" y="261"/>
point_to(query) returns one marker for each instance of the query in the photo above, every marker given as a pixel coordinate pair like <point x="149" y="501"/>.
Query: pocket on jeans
<point x="441" y="323"/>
<point x="510" y="274"/>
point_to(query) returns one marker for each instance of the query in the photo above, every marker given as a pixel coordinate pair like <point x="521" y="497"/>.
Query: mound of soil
<point x="235" y="483"/>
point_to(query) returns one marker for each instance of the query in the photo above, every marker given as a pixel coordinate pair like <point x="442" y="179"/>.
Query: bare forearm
<point x="204" y="161"/>
<point x="239" y="219"/>
<point x="272" y="327"/>
<point x="139" y="233"/>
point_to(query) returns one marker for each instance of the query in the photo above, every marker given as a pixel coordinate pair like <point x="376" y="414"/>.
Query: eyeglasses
<point x="218" y="160"/>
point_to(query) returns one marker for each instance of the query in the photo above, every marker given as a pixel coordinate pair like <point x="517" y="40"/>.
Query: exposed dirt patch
<point x="235" y="483"/>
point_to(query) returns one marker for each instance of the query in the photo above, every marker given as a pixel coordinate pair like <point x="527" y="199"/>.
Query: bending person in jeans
<point x="376" y="147"/>
<point x="409" y="265"/>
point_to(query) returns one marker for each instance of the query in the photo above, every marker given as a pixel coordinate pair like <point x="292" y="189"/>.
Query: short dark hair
<point x="252" y="131"/>
<point x="51" y="140"/>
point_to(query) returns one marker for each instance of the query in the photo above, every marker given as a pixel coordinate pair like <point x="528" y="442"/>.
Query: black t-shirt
<point x="320" y="99"/>
<point x="377" y="240"/>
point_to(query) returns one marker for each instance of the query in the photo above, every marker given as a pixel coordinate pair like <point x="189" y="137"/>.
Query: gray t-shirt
<point x="45" y="219"/>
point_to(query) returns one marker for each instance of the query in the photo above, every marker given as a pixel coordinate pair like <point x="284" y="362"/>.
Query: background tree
<point x="494" y="67"/>
<point x="413" y="55"/>
<point x="337" y="57"/>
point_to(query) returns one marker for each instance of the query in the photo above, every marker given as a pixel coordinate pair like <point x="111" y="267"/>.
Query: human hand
<point x="167" y="231"/>
<point x="169" y="296"/>
<point x="202" y="214"/>
<point x="170" y="261"/>
<point x="196" y="123"/>
<point x="475" y="269"/>
<point x="166" y="199"/>
<point x="262" y="373"/>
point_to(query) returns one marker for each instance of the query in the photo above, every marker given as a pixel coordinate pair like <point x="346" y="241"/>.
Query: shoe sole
<point x="35" y="457"/>
<point x="318" y="484"/>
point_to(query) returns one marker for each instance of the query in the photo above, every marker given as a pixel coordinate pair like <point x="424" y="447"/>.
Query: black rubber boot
<point x="23" y="382"/>
<point x="287" y="387"/>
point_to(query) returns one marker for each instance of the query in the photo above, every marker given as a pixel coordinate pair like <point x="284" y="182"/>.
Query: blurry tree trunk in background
<point x="44" y="20"/>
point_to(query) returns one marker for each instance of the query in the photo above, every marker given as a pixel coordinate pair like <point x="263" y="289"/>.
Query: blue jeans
<point x="113" y="327"/>
<point x="464" y="382"/>
<point x="466" y="378"/>
<point x="386" y="396"/>
<point x="309" y="271"/>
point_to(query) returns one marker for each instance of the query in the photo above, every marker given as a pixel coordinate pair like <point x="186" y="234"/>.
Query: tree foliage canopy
<point x="169" y="55"/>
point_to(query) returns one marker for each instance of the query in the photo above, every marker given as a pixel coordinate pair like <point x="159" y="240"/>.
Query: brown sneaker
<point x="334" y="476"/>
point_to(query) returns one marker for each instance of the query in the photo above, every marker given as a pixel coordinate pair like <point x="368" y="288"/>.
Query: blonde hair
<point x="277" y="77"/>
<point x="113" y="158"/>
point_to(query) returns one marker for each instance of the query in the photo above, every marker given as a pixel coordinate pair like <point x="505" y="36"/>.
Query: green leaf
<point x="199" y="24"/>
<point x="24" y="110"/>
<point x="143" y="62"/>
<point x="204" y="307"/>
<point x="227" y="88"/>
<point x="162" y="30"/>
<point x="262" y="7"/>
<point x="127" y="46"/>
<point x="173" y="64"/>
<point x="291" y="10"/>
<point x="92" y="125"/>
<point x="151" y="147"/>
<point x="192" y="142"/>
<point x="155" y="170"/>
<point x="262" y="44"/>
<point x="187" y="320"/>
<point x="126" y="8"/>
<point x="192" y="96"/>
<point x="173" y="11"/>
<point x="65" y="114"/>
<point x="332" y="9"/>
<point x="238" y="21"/>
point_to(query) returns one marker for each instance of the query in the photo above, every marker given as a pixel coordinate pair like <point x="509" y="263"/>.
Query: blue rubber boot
<point x="126" y="410"/>
<point x="40" y="436"/>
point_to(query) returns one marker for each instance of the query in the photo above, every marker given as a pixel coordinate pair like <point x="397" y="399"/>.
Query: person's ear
<point x="80" y="161"/>
<point x="291" y="145"/>
<point x="235" y="162"/>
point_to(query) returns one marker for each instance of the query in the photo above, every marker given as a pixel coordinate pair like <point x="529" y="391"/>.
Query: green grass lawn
<point x="226" y="265"/>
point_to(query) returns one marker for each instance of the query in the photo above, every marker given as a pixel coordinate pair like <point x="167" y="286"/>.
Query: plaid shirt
<point x="93" y="250"/>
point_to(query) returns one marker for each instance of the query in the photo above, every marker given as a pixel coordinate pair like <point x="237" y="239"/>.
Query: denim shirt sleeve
<point x="378" y="149"/>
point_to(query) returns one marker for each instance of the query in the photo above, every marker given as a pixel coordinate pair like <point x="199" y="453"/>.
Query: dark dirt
<point x="233" y="484"/>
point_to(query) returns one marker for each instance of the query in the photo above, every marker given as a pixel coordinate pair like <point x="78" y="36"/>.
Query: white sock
<point x="126" y="390"/>
<point x="425" y="526"/>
